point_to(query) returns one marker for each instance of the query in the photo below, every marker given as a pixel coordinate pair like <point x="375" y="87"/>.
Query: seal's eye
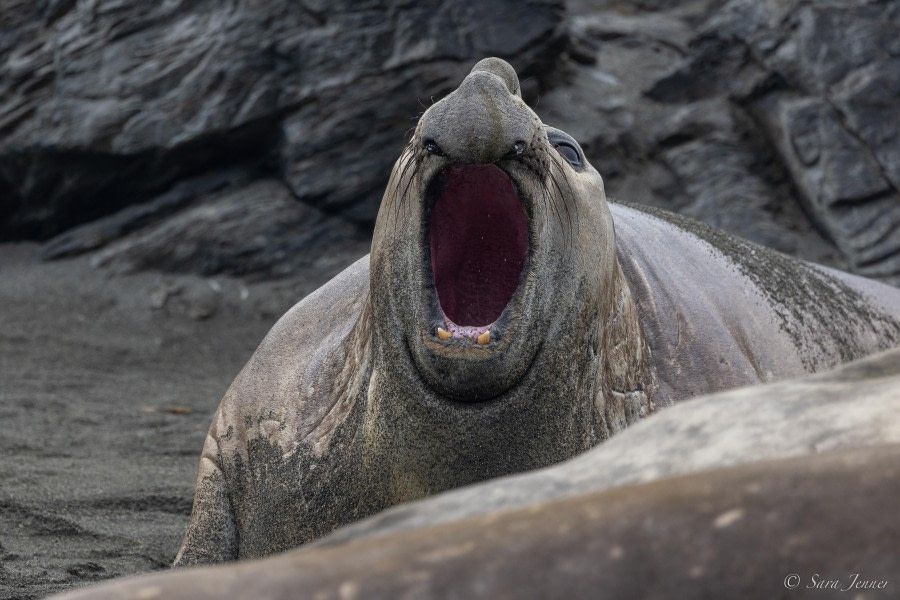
<point x="432" y="147"/>
<point x="566" y="146"/>
<point x="569" y="152"/>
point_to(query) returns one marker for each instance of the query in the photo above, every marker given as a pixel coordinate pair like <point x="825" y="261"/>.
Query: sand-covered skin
<point x="107" y="387"/>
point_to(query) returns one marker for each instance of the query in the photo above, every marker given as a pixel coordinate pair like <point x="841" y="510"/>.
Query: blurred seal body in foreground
<point x="501" y="323"/>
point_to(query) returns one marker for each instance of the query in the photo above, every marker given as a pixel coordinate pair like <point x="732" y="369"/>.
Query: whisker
<point x="546" y="196"/>
<point x="566" y="199"/>
<point x="415" y="164"/>
<point x="551" y="206"/>
<point x="552" y="177"/>
<point x="407" y="159"/>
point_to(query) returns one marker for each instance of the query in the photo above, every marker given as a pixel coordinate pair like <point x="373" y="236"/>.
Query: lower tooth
<point x="484" y="338"/>
<point x="444" y="335"/>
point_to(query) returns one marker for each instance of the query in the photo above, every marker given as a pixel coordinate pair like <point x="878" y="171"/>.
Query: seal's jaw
<point x="477" y="235"/>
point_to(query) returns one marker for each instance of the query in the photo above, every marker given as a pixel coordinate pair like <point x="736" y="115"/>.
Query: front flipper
<point x="280" y="463"/>
<point x="211" y="536"/>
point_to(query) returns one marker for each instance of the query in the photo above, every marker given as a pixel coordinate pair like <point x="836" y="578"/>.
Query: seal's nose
<point x="482" y="121"/>
<point x="501" y="69"/>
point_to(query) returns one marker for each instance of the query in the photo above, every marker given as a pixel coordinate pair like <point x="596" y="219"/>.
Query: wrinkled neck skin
<point x="567" y="367"/>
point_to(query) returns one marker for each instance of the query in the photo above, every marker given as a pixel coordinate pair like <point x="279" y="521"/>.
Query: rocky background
<point x="778" y="121"/>
<point x="249" y="138"/>
<point x="174" y="175"/>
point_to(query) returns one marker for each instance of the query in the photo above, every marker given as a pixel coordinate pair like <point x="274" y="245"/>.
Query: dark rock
<point x="835" y="125"/>
<point x="108" y="104"/>
<point x="840" y="179"/>
<point x="103" y="231"/>
<point x="257" y="230"/>
<point x="775" y="121"/>
<point x="828" y="163"/>
<point x="867" y="101"/>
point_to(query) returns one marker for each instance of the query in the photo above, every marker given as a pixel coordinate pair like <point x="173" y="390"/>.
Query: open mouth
<point x="478" y="235"/>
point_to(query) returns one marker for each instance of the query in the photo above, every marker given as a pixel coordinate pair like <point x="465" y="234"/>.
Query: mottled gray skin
<point x="352" y="404"/>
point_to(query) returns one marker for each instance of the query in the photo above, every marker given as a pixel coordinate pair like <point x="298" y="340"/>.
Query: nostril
<point x="432" y="147"/>
<point x="518" y="150"/>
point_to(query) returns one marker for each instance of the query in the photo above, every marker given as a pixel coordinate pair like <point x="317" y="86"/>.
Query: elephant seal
<point x="815" y="526"/>
<point x="501" y="323"/>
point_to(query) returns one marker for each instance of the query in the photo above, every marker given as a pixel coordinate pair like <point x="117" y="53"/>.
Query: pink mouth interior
<point x="479" y="241"/>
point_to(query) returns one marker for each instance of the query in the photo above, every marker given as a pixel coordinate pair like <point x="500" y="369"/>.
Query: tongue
<point x="479" y="241"/>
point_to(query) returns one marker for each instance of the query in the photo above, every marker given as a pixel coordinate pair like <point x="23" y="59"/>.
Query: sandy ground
<point x="107" y="387"/>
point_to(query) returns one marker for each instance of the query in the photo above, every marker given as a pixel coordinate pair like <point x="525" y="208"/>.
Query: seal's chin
<point x="477" y="234"/>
